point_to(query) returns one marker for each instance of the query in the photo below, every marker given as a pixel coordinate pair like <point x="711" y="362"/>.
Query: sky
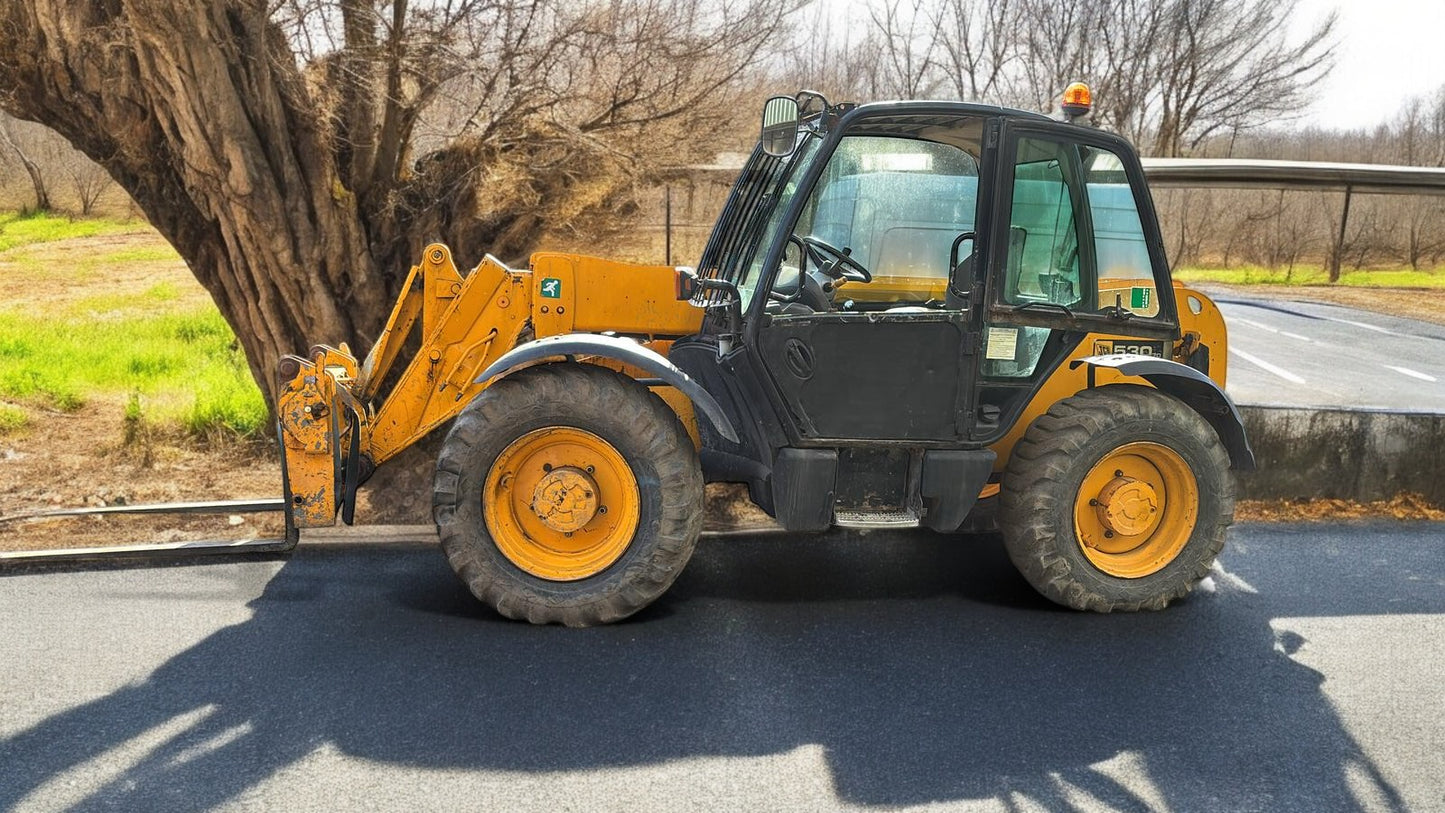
<point x="1389" y="50"/>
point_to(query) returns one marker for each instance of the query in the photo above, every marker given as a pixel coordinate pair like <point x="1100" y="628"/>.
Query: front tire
<point x="1117" y="498"/>
<point x="568" y="494"/>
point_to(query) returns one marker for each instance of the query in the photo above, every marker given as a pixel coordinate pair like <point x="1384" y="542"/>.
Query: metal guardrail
<point x="210" y="507"/>
<point x="157" y="550"/>
<point x="1252" y="173"/>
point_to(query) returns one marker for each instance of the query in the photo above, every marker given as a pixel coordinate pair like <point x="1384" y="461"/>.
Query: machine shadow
<point x="923" y="665"/>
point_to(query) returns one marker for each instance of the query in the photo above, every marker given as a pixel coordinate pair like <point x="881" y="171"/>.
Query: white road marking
<point x="1267" y="367"/>
<point x="1367" y="327"/>
<point x="1263" y="326"/>
<point x="1253" y="323"/>
<point x="1413" y="374"/>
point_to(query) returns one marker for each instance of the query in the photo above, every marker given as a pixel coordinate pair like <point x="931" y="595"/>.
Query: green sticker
<point x="552" y="288"/>
<point x="1139" y="298"/>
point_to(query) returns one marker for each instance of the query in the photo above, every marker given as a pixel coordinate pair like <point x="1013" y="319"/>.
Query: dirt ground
<point x="80" y="458"/>
<point x="72" y="459"/>
<point x="64" y="460"/>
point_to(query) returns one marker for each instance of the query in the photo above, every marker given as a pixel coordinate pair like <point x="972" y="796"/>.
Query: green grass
<point x="28" y="228"/>
<point x="183" y="368"/>
<point x="1313" y="275"/>
<point x="12" y="419"/>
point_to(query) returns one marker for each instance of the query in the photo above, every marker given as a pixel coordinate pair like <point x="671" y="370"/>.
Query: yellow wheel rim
<point x="561" y="503"/>
<point x="1136" y="509"/>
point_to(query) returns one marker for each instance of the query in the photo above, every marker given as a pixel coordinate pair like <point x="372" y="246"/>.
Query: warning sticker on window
<point x="1139" y="298"/>
<point x="1002" y="343"/>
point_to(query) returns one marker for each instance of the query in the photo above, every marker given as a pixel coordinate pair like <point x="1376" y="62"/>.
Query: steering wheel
<point x="835" y="262"/>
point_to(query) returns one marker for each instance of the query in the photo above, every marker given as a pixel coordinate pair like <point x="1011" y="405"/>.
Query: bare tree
<point x="277" y="146"/>
<point x="911" y="42"/>
<point x="37" y="178"/>
<point x="841" y="61"/>
<point x="88" y="180"/>
<point x="976" y="46"/>
<point x="1171" y="73"/>
<point x="1233" y="63"/>
<point x="1128" y="66"/>
<point x="1058" y="41"/>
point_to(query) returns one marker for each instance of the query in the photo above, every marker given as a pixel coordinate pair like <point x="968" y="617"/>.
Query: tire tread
<point x="1038" y="492"/>
<point x="647" y="422"/>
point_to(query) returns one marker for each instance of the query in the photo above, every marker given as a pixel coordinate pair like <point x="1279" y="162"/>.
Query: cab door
<point x="1081" y="253"/>
<point x="890" y="358"/>
<point x="872" y="376"/>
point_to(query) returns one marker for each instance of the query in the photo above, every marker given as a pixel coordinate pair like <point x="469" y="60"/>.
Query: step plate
<point x="875" y="519"/>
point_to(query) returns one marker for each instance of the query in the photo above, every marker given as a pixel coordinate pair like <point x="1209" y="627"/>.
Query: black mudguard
<point x="1193" y="388"/>
<point x="626" y="351"/>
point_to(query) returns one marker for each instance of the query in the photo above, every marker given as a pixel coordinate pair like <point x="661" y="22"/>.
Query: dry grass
<point x="1402" y="507"/>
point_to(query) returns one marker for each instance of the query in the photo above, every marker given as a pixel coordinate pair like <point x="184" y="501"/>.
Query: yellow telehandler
<point x="908" y="314"/>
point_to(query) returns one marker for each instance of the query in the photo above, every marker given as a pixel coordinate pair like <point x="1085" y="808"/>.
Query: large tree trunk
<point x="219" y="146"/>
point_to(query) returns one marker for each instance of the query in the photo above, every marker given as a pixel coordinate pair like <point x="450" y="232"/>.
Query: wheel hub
<point x="561" y="503"/>
<point x="1135" y="510"/>
<point x="565" y="499"/>
<point x="1127" y="506"/>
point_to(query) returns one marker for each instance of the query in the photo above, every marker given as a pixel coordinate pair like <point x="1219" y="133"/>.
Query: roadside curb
<point x="1338" y="453"/>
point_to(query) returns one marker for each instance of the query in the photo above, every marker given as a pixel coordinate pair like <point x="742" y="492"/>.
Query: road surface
<point x="1314" y="354"/>
<point x="902" y="670"/>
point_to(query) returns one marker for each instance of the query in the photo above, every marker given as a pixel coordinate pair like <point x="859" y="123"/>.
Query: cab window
<point x="897" y="205"/>
<point x="1075" y="240"/>
<point x="1042" y="262"/>
<point x="1125" y="274"/>
<point x="1045" y="262"/>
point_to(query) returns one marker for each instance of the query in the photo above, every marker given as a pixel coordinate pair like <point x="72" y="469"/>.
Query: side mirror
<point x="780" y="126"/>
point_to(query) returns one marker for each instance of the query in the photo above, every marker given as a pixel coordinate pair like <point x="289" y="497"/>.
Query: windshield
<point x="899" y="196"/>
<point x="898" y="205"/>
<point x="753" y="211"/>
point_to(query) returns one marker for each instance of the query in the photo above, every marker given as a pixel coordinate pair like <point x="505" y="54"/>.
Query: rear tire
<point x="1117" y="498"/>
<point x="593" y="496"/>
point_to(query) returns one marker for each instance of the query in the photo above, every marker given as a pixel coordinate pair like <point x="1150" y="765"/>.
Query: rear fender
<point x="1190" y="386"/>
<point x="627" y="351"/>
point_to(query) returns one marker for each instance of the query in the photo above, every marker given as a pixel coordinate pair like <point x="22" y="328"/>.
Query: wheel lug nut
<point x="1108" y="534"/>
<point x="591" y="469"/>
<point x="546" y="467"/>
<point x="602" y="509"/>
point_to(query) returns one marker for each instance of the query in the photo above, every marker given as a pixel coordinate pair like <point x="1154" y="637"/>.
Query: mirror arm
<point x="732" y="301"/>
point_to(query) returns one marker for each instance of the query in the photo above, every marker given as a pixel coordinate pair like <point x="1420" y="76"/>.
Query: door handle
<point x="798" y="358"/>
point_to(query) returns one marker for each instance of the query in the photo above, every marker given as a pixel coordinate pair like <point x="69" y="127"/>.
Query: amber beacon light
<point x="1076" y="101"/>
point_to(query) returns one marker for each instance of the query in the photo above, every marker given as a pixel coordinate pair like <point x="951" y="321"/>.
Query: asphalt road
<point x="1314" y="354"/>
<point x="843" y="672"/>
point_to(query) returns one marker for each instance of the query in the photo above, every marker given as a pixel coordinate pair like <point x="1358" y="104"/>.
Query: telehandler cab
<point x="927" y="314"/>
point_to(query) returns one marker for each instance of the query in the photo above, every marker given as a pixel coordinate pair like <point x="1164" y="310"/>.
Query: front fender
<point x="1193" y="388"/>
<point x="626" y="351"/>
